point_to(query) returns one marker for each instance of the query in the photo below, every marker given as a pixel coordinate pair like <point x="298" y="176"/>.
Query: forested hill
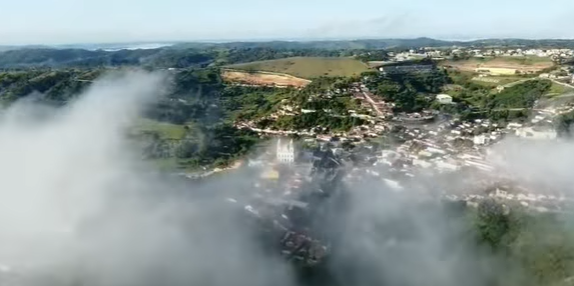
<point x="56" y="58"/>
<point x="352" y="44"/>
<point x="197" y="54"/>
<point x="149" y="58"/>
<point x="388" y="43"/>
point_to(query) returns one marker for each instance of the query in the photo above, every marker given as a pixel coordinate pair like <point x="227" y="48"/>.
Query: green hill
<point x="307" y="67"/>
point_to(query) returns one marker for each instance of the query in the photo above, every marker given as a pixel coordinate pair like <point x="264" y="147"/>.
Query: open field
<point x="263" y="78"/>
<point x="307" y="67"/>
<point x="164" y="129"/>
<point x="494" y="81"/>
<point x="522" y="64"/>
<point x="558" y="89"/>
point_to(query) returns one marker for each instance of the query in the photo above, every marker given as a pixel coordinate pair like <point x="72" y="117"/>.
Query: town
<point x="425" y="155"/>
<point x="396" y="148"/>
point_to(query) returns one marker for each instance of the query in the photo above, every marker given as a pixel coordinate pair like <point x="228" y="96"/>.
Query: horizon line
<point x="283" y="39"/>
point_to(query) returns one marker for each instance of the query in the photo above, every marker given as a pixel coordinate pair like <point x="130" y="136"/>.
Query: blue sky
<point x="83" y="21"/>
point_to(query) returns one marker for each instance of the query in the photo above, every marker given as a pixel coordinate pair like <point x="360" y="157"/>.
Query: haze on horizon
<point x="91" y="21"/>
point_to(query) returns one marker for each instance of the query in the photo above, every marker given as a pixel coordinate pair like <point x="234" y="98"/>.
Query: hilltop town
<point x="289" y="137"/>
<point x="397" y="146"/>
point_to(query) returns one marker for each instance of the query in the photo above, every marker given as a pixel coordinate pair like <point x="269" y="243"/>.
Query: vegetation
<point x="522" y="60"/>
<point x="410" y="92"/>
<point x="512" y="103"/>
<point x="375" y="55"/>
<point x="390" y="43"/>
<point x="537" y="244"/>
<point x="493" y="244"/>
<point x="256" y="103"/>
<point x="55" y="86"/>
<point x="190" y="127"/>
<point x="558" y="89"/>
<point x="57" y="58"/>
<point x="308" y="67"/>
<point x="164" y="130"/>
<point x="200" y="102"/>
<point x="563" y="124"/>
<point x="522" y="95"/>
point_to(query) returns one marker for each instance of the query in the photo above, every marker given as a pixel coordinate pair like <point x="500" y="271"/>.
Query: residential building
<point x="444" y="98"/>
<point x="480" y="139"/>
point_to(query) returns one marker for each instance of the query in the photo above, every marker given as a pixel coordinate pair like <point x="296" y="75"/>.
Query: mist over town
<point x="236" y="144"/>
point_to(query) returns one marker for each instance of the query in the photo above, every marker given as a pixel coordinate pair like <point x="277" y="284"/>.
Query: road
<point x="517" y="82"/>
<point x="562" y="83"/>
<point x="372" y="102"/>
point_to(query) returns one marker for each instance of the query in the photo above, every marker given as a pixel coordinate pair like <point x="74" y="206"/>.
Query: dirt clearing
<point x="263" y="79"/>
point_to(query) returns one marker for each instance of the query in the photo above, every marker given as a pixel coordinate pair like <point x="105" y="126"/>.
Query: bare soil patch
<point x="263" y="79"/>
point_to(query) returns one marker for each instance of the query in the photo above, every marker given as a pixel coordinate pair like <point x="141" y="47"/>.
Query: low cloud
<point x="75" y="204"/>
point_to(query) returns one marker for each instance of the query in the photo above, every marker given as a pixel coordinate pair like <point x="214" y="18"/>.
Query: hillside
<point x="307" y="67"/>
<point x="59" y="58"/>
<point x="384" y="44"/>
<point x="55" y="86"/>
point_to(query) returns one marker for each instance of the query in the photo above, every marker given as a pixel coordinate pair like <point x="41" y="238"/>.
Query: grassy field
<point x="165" y="130"/>
<point x="497" y="80"/>
<point x="558" y="89"/>
<point x="524" y="64"/>
<point x="307" y="67"/>
<point x="524" y="60"/>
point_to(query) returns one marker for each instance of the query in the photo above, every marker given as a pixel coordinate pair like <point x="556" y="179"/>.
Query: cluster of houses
<point x="444" y="53"/>
<point x="442" y="148"/>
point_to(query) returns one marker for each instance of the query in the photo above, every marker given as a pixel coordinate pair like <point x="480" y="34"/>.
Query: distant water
<point x="146" y="46"/>
<point x="111" y="47"/>
<point x="137" y="47"/>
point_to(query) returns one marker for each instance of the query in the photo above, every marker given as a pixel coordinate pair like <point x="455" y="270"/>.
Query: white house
<point x="444" y="98"/>
<point x="480" y="139"/>
<point x="285" y="152"/>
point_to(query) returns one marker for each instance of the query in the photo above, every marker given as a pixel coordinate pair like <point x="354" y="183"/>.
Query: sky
<point x="97" y="21"/>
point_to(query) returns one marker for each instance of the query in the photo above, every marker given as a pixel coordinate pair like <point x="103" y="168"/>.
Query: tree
<point x="492" y="223"/>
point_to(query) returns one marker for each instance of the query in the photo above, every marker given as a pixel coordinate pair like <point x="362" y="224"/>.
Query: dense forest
<point x="150" y="58"/>
<point x="409" y="92"/>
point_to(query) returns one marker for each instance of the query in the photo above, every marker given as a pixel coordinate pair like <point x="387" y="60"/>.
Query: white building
<point x="480" y="139"/>
<point x="444" y="98"/>
<point x="285" y="152"/>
